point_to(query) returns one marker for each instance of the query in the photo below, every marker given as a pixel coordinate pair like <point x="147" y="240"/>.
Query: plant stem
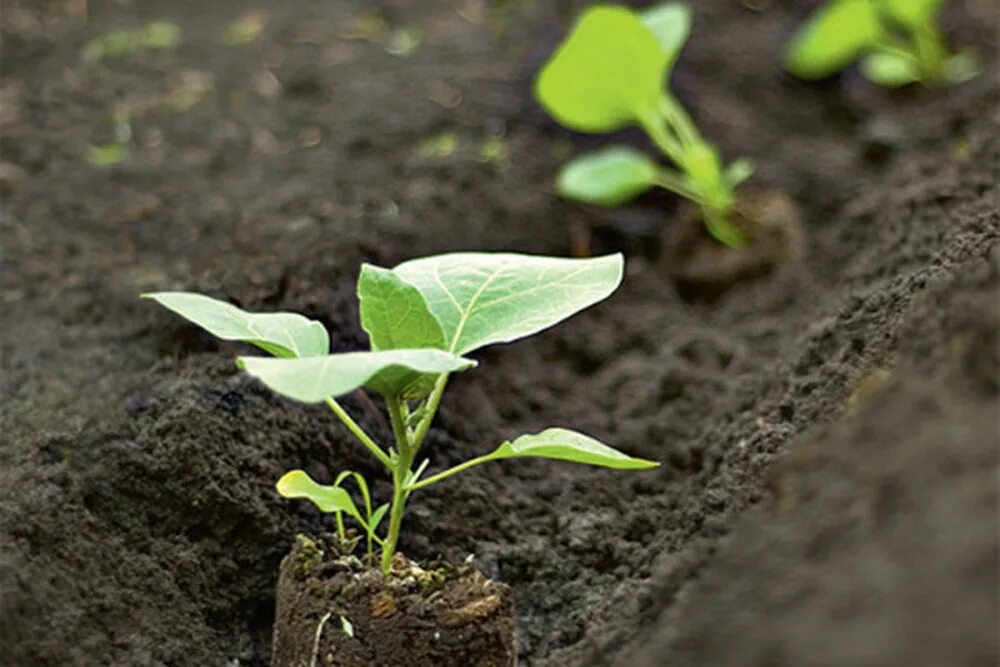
<point x="400" y="471"/>
<point x="929" y="47"/>
<point x="399" y="495"/>
<point x="359" y="433"/>
<point x="433" y="479"/>
<point x="674" y="182"/>
<point x="657" y="131"/>
<point x="678" y="118"/>
<point x="433" y="401"/>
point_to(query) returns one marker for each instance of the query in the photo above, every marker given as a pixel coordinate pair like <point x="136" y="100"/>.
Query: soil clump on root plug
<point x="334" y="610"/>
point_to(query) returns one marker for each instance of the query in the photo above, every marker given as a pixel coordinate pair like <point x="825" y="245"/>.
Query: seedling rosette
<point x="612" y="72"/>
<point x="896" y="42"/>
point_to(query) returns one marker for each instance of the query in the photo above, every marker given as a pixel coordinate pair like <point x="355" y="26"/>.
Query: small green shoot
<point x="611" y="72"/>
<point x="897" y="42"/>
<point x="421" y="317"/>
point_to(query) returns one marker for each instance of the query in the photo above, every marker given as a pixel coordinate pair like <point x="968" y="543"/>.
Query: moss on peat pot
<point x="334" y="610"/>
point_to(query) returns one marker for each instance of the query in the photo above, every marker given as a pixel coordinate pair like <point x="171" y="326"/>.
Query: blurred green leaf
<point x="607" y="74"/>
<point x="832" y="38"/>
<point x="671" y="23"/>
<point x="890" y="70"/>
<point x="609" y="177"/>
<point x="246" y="29"/>
<point x="106" y="155"/>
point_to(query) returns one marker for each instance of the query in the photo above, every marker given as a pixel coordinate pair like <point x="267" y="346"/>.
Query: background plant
<point x="421" y="318"/>
<point x="896" y="41"/>
<point x="612" y="71"/>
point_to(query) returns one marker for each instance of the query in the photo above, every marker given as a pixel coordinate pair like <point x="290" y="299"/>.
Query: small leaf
<point x="608" y="73"/>
<point x="314" y="379"/>
<point x="377" y="517"/>
<point x="346" y="627"/>
<point x="671" y="24"/>
<point x="890" y="70"/>
<point x="738" y="171"/>
<point x="832" y="38"/>
<point x="298" y="484"/>
<point x="486" y="298"/>
<point x="566" y="445"/>
<point x="961" y="67"/>
<point x="394" y="313"/>
<point x="284" y="335"/>
<point x="610" y="177"/>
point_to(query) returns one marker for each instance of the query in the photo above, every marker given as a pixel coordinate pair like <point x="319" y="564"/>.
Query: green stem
<point x="674" y="182"/>
<point x="657" y="131"/>
<point x="929" y="47"/>
<point x="430" y="409"/>
<point x="680" y="121"/>
<point x="400" y="471"/>
<point x="433" y="479"/>
<point x="359" y="433"/>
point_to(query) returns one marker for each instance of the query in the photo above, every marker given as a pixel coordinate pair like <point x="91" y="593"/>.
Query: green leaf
<point x="671" y="24"/>
<point x="912" y="13"/>
<point x="890" y="70"/>
<point x="609" y="177"/>
<point x="608" y="73"/>
<point x="284" y="335"/>
<point x="377" y="517"/>
<point x="394" y="313"/>
<point x="738" y="171"/>
<point x="298" y="484"/>
<point x="832" y="38"/>
<point x="961" y="67"/>
<point x="486" y="298"/>
<point x="314" y="379"/>
<point x="566" y="445"/>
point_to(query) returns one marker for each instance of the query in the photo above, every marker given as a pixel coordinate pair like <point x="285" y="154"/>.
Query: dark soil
<point x="442" y="616"/>
<point x="828" y="431"/>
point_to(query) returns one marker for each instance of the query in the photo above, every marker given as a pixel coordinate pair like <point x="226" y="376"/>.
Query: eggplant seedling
<point x="896" y="42"/>
<point x="422" y="318"/>
<point x="612" y="72"/>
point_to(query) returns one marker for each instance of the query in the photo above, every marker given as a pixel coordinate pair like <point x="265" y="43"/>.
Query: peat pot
<point x="334" y="610"/>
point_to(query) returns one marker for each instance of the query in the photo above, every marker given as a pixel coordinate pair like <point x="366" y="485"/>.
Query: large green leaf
<point x="566" y="445"/>
<point x="671" y="24"/>
<point x="314" y="379"/>
<point x="608" y="73"/>
<point x="298" y="484"/>
<point x="285" y="335"/>
<point x="486" y="298"/>
<point x="832" y="38"/>
<point x="610" y="176"/>
<point x="394" y="313"/>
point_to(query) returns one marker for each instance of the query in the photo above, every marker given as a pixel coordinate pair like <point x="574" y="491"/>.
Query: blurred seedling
<point x="153" y="36"/>
<point x="421" y="317"/>
<point x="895" y="42"/>
<point x="611" y="72"/>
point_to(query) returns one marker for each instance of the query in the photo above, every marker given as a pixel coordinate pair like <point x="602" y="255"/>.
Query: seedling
<point x="611" y="72"/>
<point x="897" y="42"/>
<point x="421" y="317"/>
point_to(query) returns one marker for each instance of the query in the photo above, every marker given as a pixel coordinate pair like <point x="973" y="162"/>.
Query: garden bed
<point x="828" y="432"/>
